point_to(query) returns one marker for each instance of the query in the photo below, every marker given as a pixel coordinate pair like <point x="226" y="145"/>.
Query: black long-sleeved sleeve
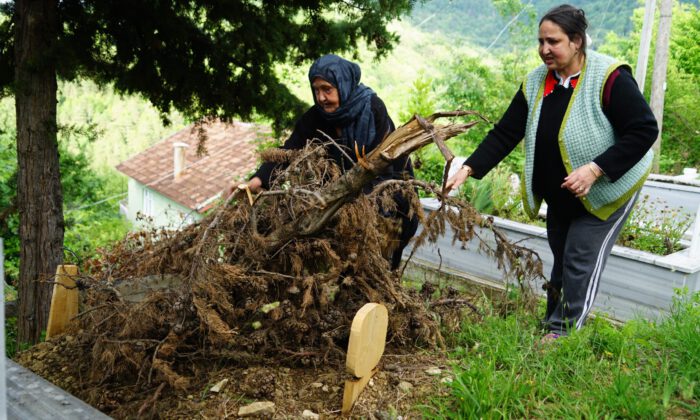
<point x="296" y="140"/>
<point x="627" y="111"/>
<point x="634" y="125"/>
<point x="501" y="139"/>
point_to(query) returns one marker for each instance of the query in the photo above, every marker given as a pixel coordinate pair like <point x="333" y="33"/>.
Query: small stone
<point x="433" y="371"/>
<point x="316" y="385"/>
<point x="446" y="380"/>
<point x="308" y="414"/>
<point x="219" y="386"/>
<point x="257" y="409"/>
<point x="385" y="415"/>
<point x="335" y="389"/>
<point x="405" y="387"/>
<point x="371" y="383"/>
<point x="325" y="388"/>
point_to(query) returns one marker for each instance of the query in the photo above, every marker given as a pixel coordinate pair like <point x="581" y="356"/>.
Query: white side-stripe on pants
<point x="581" y="246"/>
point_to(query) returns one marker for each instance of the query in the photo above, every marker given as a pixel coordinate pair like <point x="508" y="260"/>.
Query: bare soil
<point x="293" y="390"/>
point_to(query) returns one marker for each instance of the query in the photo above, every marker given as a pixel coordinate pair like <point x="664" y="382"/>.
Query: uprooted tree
<point x="276" y="278"/>
<point x="205" y="57"/>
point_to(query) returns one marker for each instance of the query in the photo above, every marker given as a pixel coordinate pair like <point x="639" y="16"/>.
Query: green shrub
<point x="495" y="194"/>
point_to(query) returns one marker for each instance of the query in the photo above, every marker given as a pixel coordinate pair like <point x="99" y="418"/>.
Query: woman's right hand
<point x="254" y="185"/>
<point x="458" y="179"/>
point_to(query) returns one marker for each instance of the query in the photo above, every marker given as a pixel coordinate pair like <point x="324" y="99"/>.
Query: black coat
<point x="308" y="127"/>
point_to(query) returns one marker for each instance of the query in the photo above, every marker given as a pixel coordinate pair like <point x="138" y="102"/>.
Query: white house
<point x="171" y="185"/>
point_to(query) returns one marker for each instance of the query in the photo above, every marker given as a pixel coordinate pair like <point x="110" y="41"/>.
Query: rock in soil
<point x="308" y="414"/>
<point x="257" y="409"/>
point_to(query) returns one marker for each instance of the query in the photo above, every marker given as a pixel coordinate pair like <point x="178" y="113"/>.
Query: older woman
<point x="588" y="133"/>
<point x="354" y="115"/>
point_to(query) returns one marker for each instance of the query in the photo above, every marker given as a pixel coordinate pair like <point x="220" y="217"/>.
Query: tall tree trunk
<point x="39" y="196"/>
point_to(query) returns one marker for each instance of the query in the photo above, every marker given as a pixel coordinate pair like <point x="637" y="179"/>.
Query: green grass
<point x="643" y="369"/>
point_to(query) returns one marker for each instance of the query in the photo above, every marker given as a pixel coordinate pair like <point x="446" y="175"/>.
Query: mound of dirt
<point x="262" y="293"/>
<point x="404" y="382"/>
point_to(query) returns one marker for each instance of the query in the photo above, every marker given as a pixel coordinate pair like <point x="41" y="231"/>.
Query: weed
<point x="654" y="227"/>
<point x="11" y="345"/>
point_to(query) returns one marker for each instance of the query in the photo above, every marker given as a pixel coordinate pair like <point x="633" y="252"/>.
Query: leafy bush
<point x="680" y="143"/>
<point x="90" y="222"/>
<point x="497" y="194"/>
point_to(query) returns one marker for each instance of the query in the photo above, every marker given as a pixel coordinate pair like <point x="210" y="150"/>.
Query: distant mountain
<point x="480" y="22"/>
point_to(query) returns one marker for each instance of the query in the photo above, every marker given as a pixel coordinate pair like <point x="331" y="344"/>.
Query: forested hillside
<point x="482" y="20"/>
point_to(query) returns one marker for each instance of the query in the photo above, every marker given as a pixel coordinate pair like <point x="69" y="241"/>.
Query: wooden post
<point x="644" y="43"/>
<point x="64" y="302"/>
<point x="366" y="346"/>
<point x="658" y="76"/>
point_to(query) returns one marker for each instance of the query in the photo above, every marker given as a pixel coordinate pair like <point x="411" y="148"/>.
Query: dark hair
<point x="571" y="20"/>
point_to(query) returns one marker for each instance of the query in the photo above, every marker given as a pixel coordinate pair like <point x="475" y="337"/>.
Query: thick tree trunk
<point x="39" y="197"/>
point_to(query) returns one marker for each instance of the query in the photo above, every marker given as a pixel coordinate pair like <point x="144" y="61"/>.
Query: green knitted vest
<point x="585" y="134"/>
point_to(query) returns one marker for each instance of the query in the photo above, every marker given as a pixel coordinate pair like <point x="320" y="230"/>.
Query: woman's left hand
<point x="579" y="181"/>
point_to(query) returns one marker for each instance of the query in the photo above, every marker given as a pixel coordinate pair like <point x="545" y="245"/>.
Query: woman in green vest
<point x="587" y="134"/>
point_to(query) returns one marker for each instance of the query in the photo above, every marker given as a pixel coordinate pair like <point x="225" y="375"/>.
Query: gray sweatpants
<point x="581" y="246"/>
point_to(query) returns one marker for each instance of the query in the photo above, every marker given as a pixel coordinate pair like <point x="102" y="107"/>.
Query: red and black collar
<point x="553" y="79"/>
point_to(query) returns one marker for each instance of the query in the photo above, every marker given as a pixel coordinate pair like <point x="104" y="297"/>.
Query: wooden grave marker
<point x="366" y="346"/>
<point x="64" y="301"/>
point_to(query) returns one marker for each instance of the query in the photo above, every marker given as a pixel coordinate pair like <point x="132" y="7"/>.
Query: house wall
<point x="164" y="212"/>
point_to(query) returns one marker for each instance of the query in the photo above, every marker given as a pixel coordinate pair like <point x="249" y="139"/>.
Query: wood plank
<point x="353" y="388"/>
<point x="64" y="301"/>
<point x="367" y="339"/>
<point x="366" y="346"/>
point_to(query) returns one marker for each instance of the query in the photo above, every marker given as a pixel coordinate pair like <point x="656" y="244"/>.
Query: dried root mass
<point x="242" y="289"/>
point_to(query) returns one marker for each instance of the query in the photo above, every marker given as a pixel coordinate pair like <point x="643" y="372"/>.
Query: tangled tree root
<point x="242" y="292"/>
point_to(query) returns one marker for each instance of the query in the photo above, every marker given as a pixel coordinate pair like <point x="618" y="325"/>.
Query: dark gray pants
<point x="581" y="246"/>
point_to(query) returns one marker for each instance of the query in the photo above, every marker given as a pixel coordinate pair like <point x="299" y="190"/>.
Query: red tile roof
<point x="230" y="154"/>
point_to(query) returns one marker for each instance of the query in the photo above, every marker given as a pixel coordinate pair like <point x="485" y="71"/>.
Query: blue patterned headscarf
<point x="354" y="115"/>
